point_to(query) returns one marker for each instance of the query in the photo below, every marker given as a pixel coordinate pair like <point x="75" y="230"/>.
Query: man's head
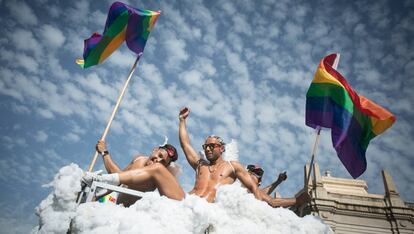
<point x="256" y="172"/>
<point x="164" y="154"/>
<point x="213" y="147"/>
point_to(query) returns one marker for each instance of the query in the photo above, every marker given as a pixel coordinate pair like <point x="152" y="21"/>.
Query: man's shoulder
<point x="139" y="158"/>
<point x="236" y="165"/>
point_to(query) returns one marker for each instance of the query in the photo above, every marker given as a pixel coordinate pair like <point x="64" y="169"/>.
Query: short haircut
<point x="219" y="139"/>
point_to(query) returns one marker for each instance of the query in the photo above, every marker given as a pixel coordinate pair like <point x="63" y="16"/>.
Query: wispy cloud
<point x="52" y="36"/>
<point x="243" y="69"/>
<point x="41" y="136"/>
<point x="22" y="12"/>
<point x="175" y="49"/>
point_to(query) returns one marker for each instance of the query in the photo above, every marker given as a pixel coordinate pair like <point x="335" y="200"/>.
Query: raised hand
<point x="184" y="112"/>
<point x="282" y="176"/>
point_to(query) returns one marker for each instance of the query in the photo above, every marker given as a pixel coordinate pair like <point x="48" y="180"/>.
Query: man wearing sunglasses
<point x="256" y="173"/>
<point x="215" y="170"/>
<point x="144" y="173"/>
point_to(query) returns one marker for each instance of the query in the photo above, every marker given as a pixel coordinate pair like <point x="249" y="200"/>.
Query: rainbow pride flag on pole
<point x="124" y="23"/>
<point x="354" y="120"/>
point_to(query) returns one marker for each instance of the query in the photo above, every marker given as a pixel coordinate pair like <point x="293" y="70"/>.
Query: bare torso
<point x="209" y="177"/>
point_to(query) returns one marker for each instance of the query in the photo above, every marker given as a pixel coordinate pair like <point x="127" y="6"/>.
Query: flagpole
<point x="121" y="95"/>
<point x="318" y="131"/>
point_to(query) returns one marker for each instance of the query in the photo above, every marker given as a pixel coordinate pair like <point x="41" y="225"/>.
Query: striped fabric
<point x="124" y="23"/>
<point x="354" y="120"/>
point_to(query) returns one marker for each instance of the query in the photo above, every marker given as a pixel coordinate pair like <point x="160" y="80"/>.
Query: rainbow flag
<point x="124" y="23"/>
<point x="107" y="198"/>
<point x="354" y="120"/>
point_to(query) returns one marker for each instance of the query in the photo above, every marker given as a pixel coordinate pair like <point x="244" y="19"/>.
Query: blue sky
<point x="243" y="67"/>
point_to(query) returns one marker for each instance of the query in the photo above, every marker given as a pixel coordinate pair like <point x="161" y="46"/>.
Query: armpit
<point x="202" y="162"/>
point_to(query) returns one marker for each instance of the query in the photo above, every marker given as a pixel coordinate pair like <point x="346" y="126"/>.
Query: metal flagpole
<point x="121" y="95"/>
<point x="318" y="132"/>
<point x="315" y="146"/>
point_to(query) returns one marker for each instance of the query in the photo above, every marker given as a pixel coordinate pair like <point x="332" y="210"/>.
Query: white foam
<point x="56" y="211"/>
<point x="235" y="211"/>
<point x="232" y="151"/>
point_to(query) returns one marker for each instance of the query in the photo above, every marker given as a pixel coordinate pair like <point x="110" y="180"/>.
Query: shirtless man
<point x="215" y="170"/>
<point x="143" y="173"/>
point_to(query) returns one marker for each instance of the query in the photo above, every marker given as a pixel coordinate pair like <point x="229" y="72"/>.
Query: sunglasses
<point x="211" y="146"/>
<point x="255" y="170"/>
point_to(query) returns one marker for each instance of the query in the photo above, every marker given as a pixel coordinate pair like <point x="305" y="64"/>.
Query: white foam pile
<point x="235" y="211"/>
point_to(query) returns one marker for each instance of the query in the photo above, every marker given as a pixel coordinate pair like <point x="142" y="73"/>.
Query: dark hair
<point x="255" y="169"/>
<point x="171" y="151"/>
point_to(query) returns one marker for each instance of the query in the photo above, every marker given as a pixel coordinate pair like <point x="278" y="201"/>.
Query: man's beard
<point x="214" y="157"/>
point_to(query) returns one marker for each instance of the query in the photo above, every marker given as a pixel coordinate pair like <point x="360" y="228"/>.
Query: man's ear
<point x="222" y="148"/>
<point x="169" y="161"/>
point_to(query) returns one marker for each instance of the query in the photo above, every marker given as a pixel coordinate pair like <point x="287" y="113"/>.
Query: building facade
<point x="347" y="207"/>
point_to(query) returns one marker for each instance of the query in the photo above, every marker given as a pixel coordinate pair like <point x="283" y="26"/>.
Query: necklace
<point x="211" y="170"/>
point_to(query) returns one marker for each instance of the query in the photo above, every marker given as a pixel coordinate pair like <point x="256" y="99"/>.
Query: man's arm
<point x="246" y="180"/>
<point x="191" y="155"/>
<point x="271" y="187"/>
<point x="110" y="165"/>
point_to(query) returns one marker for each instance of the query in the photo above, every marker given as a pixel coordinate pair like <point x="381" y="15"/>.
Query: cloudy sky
<point x="243" y="68"/>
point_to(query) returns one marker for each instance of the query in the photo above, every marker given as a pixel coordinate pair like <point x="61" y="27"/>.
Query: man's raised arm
<point x="271" y="187"/>
<point x="246" y="180"/>
<point x="191" y="155"/>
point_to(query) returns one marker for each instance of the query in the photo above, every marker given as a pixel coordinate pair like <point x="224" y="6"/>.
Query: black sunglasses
<point x="210" y="146"/>
<point x="255" y="169"/>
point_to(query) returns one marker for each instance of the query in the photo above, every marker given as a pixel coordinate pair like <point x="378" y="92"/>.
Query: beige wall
<point x="347" y="207"/>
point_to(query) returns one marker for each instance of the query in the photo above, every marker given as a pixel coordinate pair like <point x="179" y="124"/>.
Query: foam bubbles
<point x="56" y="211"/>
<point x="235" y="211"/>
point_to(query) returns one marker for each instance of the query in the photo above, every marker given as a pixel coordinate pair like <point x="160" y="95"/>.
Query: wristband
<point x="104" y="153"/>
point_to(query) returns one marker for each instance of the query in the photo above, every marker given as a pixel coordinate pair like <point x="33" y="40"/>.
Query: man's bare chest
<point x="214" y="174"/>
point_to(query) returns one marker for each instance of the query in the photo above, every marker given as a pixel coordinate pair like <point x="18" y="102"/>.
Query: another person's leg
<point x="157" y="174"/>
<point x="149" y="176"/>
<point x="166" y="183"/>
